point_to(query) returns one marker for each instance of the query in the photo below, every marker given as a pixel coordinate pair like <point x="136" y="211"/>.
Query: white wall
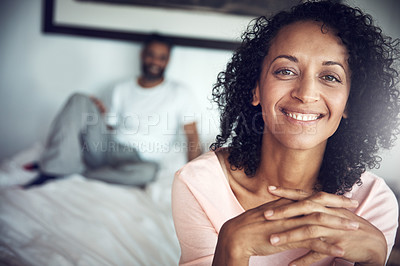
<point x="38" y="72"/>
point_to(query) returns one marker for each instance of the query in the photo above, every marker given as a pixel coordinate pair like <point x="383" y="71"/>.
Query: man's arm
<point x="193" y="141"/>
<point x="99" y="104"/>
<point x="102" y="108"/>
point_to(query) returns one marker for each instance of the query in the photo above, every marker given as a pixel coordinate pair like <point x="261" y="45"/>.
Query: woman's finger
<point x="293" y="194"/>
<point x="318" y="246"/>
<point x="304" y="233"/>
<point x="322" y="198"/>
<point x="308" y="259"/>
<point x="304" y="227"/>
<point x="303" y="207"/>
<point x="334" y="201"/>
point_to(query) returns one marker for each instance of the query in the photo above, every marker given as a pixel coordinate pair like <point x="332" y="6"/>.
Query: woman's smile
<point x="301" y="116"/>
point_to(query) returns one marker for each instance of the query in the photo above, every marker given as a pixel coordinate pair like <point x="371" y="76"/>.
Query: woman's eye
<point x="331" y="78"/>
<point x="285" y="72"/>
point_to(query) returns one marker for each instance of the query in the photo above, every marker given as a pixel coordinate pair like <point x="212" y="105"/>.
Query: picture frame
<point x="136" y="23"/>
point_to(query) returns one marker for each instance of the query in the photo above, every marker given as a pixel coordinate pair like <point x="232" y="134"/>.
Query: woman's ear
<point x="256" y="95"/>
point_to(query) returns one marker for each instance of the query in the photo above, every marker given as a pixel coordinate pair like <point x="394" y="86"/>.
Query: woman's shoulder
<point x="377" y="204"/>
<point x="373" y="193"/>
<point x="204" y="180"/>
<point x="371" y="184"/>
<point x="202" y="169"/>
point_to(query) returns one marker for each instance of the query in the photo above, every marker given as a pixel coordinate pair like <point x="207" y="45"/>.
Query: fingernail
<point x="338" y="251"/>
<point x="354" y="202"/>
<point x="272" y="188"/>
<point x="354" y="225"/>
<point x="268" y="213"/>
<point x="274" y="239"/>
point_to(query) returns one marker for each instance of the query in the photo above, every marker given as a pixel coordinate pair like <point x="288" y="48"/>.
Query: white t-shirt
<point x="151" y="119"/>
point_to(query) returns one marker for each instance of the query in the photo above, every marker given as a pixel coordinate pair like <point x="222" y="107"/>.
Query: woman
<point x="306" y="102"/>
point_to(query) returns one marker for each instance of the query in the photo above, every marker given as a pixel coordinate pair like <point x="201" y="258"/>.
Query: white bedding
<point x="77" y="221"/>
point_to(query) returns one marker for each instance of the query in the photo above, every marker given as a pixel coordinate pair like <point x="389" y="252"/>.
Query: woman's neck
<point x="290" y="168"/>
<point x="279" y="166"/>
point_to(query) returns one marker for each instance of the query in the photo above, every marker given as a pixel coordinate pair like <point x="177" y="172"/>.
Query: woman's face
<point x="303" y="86"/>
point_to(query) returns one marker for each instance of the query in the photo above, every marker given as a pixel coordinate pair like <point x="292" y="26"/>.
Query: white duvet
<point x="77" y="221"/>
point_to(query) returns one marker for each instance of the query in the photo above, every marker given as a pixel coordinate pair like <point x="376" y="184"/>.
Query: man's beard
<point x="152" y="75"/>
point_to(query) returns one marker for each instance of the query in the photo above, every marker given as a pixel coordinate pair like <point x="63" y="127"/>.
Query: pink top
<point x="202" y="201"/>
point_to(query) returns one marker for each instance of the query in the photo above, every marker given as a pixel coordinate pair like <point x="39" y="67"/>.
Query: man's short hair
<point x="154" y="37"/>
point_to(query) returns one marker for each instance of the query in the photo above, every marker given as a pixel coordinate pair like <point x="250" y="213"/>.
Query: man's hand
<point x="99" y="104"/>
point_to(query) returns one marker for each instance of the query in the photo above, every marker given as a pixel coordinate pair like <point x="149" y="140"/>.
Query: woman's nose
<point x="306" y="90"/>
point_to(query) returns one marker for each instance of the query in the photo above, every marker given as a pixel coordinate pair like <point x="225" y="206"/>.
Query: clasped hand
<point x="319" y="222"/>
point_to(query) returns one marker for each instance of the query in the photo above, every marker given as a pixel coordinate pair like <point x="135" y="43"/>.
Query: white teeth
<point x="302" y="117"/>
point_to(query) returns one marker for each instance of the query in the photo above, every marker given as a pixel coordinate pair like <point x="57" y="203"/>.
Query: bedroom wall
<point x="38" y="72"/>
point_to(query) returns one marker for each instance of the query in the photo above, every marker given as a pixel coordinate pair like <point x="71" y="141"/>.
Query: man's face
<point x="155" y="57"/>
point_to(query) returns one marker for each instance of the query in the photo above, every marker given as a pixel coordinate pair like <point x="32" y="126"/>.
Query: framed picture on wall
<point x="207" y="23"/>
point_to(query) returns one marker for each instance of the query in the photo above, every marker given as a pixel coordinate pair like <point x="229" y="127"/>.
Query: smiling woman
<point x="307" y="101"/>
<point x="303" y="97"/>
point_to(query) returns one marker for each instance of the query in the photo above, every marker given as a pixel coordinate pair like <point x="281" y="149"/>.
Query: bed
<point x="80" y="221"/>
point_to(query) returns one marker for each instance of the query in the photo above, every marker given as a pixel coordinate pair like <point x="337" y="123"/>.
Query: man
<point x="127" y="143"/>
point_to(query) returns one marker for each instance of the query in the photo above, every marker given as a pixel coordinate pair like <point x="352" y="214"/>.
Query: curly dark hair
<point x="373" y="105"/>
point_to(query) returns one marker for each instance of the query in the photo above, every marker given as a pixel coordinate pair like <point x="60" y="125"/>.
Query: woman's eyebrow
<point x="295" y="60"/>
<point x="331" y="63"/>
<point x="289" y="57"/>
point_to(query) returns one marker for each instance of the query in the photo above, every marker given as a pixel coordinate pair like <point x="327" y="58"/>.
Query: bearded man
<point x="127" y="142"/>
